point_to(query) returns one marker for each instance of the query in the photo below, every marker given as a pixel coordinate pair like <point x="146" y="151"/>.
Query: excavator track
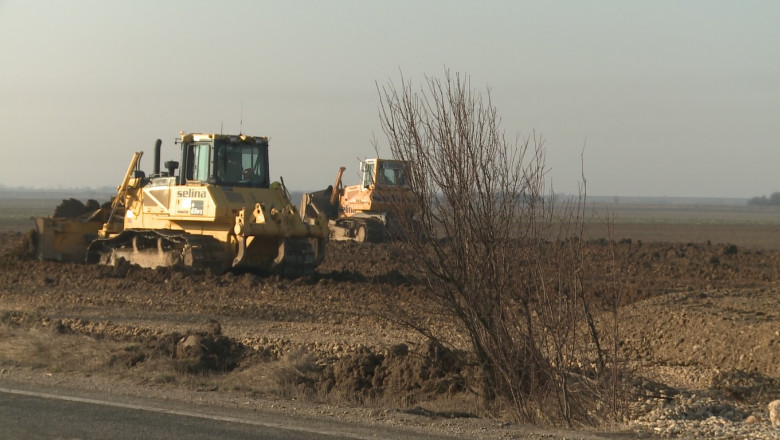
<point x="361" y="229"/>
<point x="375" y="231"/>
<point x="150" y="248"/>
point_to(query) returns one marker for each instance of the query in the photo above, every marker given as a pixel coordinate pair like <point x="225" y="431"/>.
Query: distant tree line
<point x="773" y="200"/>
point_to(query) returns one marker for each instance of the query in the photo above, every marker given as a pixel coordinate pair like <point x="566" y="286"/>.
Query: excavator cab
<point x="383" y="172"/>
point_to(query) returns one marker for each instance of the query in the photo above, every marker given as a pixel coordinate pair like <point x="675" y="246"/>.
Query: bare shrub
<point x="499" y="252"/>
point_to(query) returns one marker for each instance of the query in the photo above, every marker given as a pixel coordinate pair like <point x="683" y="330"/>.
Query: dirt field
<point x="702" y="331"/>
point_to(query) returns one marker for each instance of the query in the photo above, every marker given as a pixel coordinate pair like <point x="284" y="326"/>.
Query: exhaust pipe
<point x="157" y="145"/>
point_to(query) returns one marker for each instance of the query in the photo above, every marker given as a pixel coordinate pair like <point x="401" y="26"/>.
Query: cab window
<point x="368" y="174"/>
<point x="241" y="165"/>
<point x="199" y="162"/>
<point x="391" y="174"/>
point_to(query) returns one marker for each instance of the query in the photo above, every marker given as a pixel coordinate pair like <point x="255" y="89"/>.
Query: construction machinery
<point x="374" y="210"/>
<point x="220" y="212"/>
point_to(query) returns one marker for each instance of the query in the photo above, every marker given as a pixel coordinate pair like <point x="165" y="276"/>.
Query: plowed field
<point x="703" y="319"/>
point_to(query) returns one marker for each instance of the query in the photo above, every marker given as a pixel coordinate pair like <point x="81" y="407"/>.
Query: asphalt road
<point x="31" y="413"/>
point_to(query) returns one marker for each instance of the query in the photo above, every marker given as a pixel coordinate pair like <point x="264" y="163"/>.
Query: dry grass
<point x="46" y="349"/>
<point x="43" y="348"/>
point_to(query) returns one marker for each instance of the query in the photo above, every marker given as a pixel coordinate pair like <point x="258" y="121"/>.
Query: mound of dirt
<point x="424" y="374"/>
<point x="71" y="208"/>
<point x="209" y="351"/>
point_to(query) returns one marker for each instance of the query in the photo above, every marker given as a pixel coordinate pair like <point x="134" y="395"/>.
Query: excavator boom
<point x="334" y="196"/>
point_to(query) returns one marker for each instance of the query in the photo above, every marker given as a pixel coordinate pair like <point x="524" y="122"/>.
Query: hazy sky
<point x="675" y="98"/>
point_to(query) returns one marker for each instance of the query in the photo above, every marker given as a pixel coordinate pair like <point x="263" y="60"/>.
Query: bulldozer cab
<point x="225" y="160"/>
<point x="382" y="172"/>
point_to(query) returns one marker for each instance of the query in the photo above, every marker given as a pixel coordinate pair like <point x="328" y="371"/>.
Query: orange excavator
<point x="372" y="211"/>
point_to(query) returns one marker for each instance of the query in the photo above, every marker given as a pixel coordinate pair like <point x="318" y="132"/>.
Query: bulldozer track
<point x="205" y="253"/>
<point x="150" y="248"/>
<point x="296" y="258"/>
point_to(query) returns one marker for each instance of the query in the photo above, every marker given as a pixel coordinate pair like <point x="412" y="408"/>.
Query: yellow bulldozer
<point x="377" y="209"/>
<point x="220" y="212"/>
